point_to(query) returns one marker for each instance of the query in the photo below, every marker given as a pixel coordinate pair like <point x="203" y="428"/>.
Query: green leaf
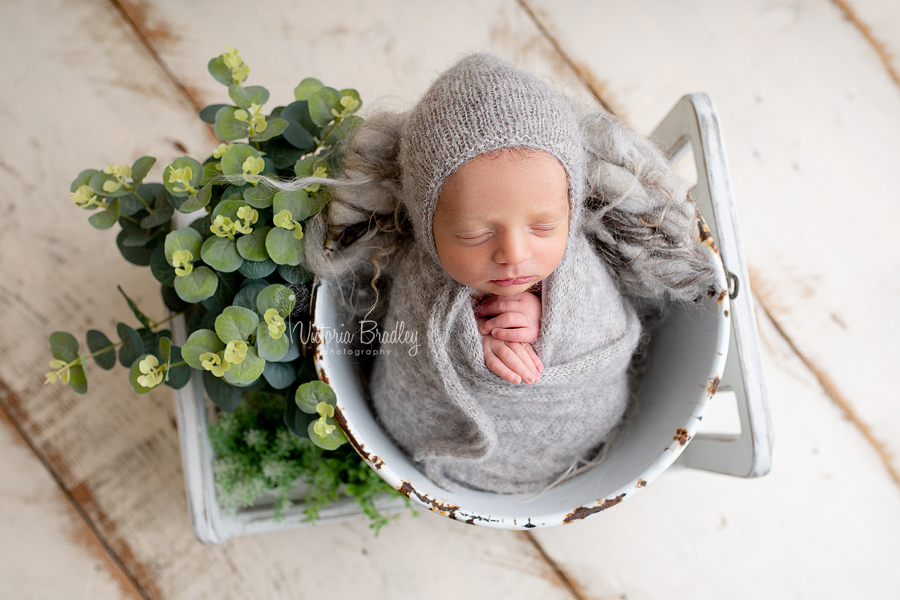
<point x="332" y="441"/>
<point x="185" y="238"/>
<point x="279" y="297"/>
<point x="132" y="346"/>
<point x="247" y="371"/>
<point x="233" y="162"/>
<point x="353" y="94"/>
<point x="134" y="372"/>
<point x="297" y="421"/>
<point x="245" y="96"/>
<point x="106" y="218"/>
<point x="145" y="321"/>
<point x="201" y="226"/>
<point x="296" y="201"/>
<point x="228" y="286"/>
<point x="301" y="130"/>
<point x="78" y="379"/>
<point x="198" y="285"/>
<point x="307" y="88"/>
<point x="162" y="211"/>
<point x="208" y="114"/>
<point x="228" y="208"/>
<point x="283" y="153"/>
<point x="97" y="181"/>
<point x="235" y="192"/>
<point x="84" y="178"/>
<point x="274" y="128"/>
<point x="210" y="173"/>
<point x="268" y="347"/>
<point x="160" y="267"/>
<point x="293" y="352"/>
<point x="295" y="274"/>
<point x="246" y="298"/>
<point x="63" y="346"/>
<point x="309" y="395"/>
<point x="223" y="395"/>
<point x="253" y="246"/>
<point x="257" y="270"/>
<point x="178" y="376"/>
<point x="201" y="342"/>
<point x="171" y="299"/>
<point x="137" y="238"/>
<point x="343" y="129"/>
<point x="140" y="168"/>
<point x="321" y="102"/>
<point x="279" y="375"/>
<point x="96" y="341"/>
<point x="165" y="353"/>
<point x="220" y="71"/>
<point x="197" y="201"/>
<point x="180" y="163"/>
<point x="259" y="196"/>
<point x="236" y="323"/>
<point x="283" y="247"/>
<point x="221" y="254"/>
<point x="139" y="255"/>
<point x="227" y="128"/>
<point x="307" y="371"/>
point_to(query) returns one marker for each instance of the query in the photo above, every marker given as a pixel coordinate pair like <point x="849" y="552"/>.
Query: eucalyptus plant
<point x="236" y="272"/>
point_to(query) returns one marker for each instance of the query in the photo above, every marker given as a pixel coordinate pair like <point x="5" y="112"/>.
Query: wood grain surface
<point x="811" y="113"/>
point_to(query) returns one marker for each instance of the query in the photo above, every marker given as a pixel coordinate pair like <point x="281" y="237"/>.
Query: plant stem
<point x="132" y="219"/>
<point x="156" y="324"/>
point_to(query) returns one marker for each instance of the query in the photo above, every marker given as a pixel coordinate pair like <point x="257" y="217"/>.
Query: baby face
<point x="502" y="221"/>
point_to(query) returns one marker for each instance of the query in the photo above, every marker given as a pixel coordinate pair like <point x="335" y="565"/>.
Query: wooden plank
<point x="47" y="550"/>
<point x="812" y="125"/>
<point x="90" y="93"/>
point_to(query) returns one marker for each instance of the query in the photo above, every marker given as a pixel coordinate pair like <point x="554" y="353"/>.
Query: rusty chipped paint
<point x="373" y="460"/>
<point x="447" y="509"/>
<point x="727" y="313"/>
<point x="706" y="235"/>
<point x="641" y="483"/>
<point x="323" y="377"/>
<point x="713" y="386"/>
<point x="586" y="511"/>
<point x="682" y="437"/>
<point x="722" y="295"/>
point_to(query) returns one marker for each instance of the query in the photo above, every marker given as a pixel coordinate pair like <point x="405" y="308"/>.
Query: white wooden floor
<point x="91" y="494"/>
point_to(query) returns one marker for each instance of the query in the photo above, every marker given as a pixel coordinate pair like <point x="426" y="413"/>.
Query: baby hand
<point x="515" y="318"/>
<point x="512" y="361"/>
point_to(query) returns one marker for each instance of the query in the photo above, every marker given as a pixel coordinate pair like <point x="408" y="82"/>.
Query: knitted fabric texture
<point x="480" y="105"/>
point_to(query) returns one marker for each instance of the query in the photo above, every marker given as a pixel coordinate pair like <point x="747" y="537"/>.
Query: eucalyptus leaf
<point x="208" y="114"/>
<point x="246" y="298"/>
<point x="159" y="266"/>
<point x="83" y="178"/>
<point x="236" y="323"/>
<point x="226" y="397"/>
<point x="106" y="218"/>
<point x="274" y="128"/>
<point x="276" y="296"/>
<point x="296" y="420"/>
<point x="253" y="246"/>
<point x="257" y="270"/>
<point x="220" y="71"/>
<point x="96" y="341"/>
<point x="136" y="238"/>
<point x="210" y="173"/>
<point x="321" y="103"/>
<point x="343" y="129"/>
<point x="171" y="299"/>
<point x="63" y="346"/>
<point x="178" y="375"/>
<point x="196" y="286"/>
<point x="283" y="247"/>
<point x="353" y="94"/>
<point x="97" y="181"/>
<point x="183" y="162"/>
<point x="228" y="286"/>
<point x="132" y="345"/>
<point x="162" y="211"/>
<point x="293" y="352"/>
<point x="295" y="201"/>
<point x="229" y="208"/>
<point x="271" y="348"/>
<point x="307" y="88"/>
<point x="296" y="274"/>
<point x="144" y="319"/>
<point x="137" y="255"/>
<point x="233" y="162"/>
<point x="227" y="128"/>
<point x="141" y="167"/>
<point x="247" y="371"/>
<point x="200" y="342"/>
<point x="78" y="379"/>
<point x="165" y="353"/>
<point x="309" y="395"/>
<point x="279" y="375"/>
<point x="283" y="153"/>
<point x="198" y="200"/>
<point x="235" y="192"/>
<point x="307" y="371"/>
<point x="245" y="96"/>
<point x="185" y="238"/>
<point x="221" y="254"/>
<point x="259" y="197"/>
<point x="301" y="130"/>
<point x="201" y="226"/>
<point x="134" y="372"/>
<point x="332" y="441"/>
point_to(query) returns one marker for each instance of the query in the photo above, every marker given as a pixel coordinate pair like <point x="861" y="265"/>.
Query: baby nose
<point x="512" y="250"/>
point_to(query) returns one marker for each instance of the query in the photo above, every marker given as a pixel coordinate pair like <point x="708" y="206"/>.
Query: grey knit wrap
<point x="483" y="104"/>
<point x="633" y="232"/>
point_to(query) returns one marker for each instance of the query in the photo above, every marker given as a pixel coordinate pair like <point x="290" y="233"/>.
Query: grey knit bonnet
<point x="480" y="105"/>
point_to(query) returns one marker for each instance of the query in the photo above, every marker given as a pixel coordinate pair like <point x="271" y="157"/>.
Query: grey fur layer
<point x="462" y="423"/>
